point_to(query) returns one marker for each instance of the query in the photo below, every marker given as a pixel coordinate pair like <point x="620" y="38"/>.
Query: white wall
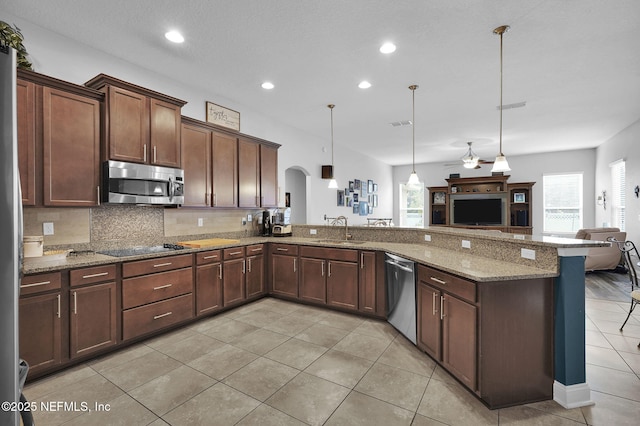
<point x="526" y="168"/>
<point x="70" y="60"/>
<point x="625" y="145"/>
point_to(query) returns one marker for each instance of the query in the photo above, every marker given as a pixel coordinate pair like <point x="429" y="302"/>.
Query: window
<point x="411" y="206"/>
<point x="562" y="201"/>
<point x="617" y="196"/>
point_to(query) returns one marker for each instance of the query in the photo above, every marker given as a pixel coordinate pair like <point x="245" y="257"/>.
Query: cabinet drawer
<point x="148" y="318"/>
<point x="255" y="249"/>
<point x="159" y="264"/>
<point x="284" y="249"/>
<point x="233" y="253"/>
<point x="347" y="255"/>
<point x="211" y="256"/>
<point x="151" y="288"/>
<point x="92" y="275"/>
<point x="31" y="284"/>
<point x="446" y="282"/>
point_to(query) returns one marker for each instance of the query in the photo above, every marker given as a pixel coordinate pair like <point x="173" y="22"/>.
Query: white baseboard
<point x="572" y="396"/>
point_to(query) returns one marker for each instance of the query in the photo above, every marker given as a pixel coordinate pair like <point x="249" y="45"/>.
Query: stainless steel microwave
<point x="131" y="183"/>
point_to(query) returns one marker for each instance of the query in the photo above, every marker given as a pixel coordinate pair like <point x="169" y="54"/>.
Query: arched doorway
<point x="295" y="187"/>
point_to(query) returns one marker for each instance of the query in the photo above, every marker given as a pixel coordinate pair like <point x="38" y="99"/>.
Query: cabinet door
<point x="71" y="135"/>
<point x="367" y="287"/>
<point x="93" y="318"/>
<point x="284" y="278"/>
<point x="165" y="134"/>
<point x="248" y="174"/>
<point x="233" y="281"/>
<point x="255" y="275"/>
<point x="313" y="285"/>
<point x="26" y="117"/>
<point x="429" y="323"/>
<point x="40" y="331"/>
<point x="208" y="288"/>
<point x="342" y="284"/>
<point x="459" y="347"/>
<point x="196" y="162"/>
<point x="128" y="125"/>
<point x="268" y="176"/>
<point x="224" y="150"/>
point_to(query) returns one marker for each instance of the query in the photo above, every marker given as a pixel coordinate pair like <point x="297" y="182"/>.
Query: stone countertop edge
<point x="475" y="268"/>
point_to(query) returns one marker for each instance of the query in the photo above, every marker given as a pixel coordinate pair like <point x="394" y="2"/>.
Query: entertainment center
<point x="483" y="203"/>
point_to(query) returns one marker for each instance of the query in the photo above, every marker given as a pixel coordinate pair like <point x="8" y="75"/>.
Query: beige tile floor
<point x="278" y="363"/>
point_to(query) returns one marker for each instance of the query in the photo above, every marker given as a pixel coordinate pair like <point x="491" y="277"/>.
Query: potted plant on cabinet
<point x="12" y="37"/>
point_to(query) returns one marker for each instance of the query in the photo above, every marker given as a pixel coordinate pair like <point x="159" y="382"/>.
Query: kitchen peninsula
<point x="511" y="298"/>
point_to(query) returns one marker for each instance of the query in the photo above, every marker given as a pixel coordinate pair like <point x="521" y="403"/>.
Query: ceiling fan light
<point x="501" y="164"/>
<point x="470" y="163"/>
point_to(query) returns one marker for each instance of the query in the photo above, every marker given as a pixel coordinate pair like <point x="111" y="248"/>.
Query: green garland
<point x="12" y="37"/>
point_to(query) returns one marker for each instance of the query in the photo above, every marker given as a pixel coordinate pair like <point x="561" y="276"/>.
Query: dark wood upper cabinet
<point x="268" y="176"/>
<point x="141" y="125"/>
<point x="26" y="114"/>
<point x="224" y="154"/>
<point x="248" y="173"/>
<point x="196" y="162"/>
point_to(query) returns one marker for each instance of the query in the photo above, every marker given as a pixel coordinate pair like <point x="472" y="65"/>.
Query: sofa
<point x="602" y="258"/>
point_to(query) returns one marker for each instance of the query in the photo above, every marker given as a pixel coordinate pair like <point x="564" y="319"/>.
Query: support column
<point x="570" y="388"/>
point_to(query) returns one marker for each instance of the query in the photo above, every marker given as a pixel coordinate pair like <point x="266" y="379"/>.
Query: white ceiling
<point x="574" y="62"/>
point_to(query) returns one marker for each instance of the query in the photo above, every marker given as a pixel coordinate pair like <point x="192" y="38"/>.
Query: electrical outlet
<point x="249" y="218"/>
<point x="313" y="231"/>
<point x="466" y="244"/>
<point x="200" y="221"/>
<point x="427" y="237"/>
<point x="47" y="228"/>
<point x="528" y="254"/>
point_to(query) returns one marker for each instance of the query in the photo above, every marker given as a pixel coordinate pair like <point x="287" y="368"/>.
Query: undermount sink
<point x="346" y="242"/>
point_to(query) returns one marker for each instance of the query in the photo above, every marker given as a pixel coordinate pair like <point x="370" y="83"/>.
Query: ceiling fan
<point x="470" y="160"/>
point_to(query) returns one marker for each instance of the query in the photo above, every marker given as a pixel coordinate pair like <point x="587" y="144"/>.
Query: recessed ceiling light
<point x="388" y="48"/>
<point x="267" y="85"/>
<point x="174" y="36"/>
<point x="364" y="84"/>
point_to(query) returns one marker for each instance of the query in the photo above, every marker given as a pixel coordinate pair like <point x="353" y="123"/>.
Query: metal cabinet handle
<point x="35" y="284"/>
<point x="220" y="271"/>
<point x="329" y="268"/>
<point x="213" y="256"/>
<point x="154" y="154"/>
<point x="162" y="264"/>
<point x="75" y="303"/>
<point x="98" y="190"/>
<point x="282" y="249"/>
<point x="162" y="286"/>
<point x="361" y="260"/>
<point x="215" y="199"/>
<point x="439" y="281"/>
<point x="234" y="253"/>
<point x="434" y="309"/>
<point x="249" y="266"/>
<point x="294" y="265"/>
<point x="162" y="315"/>
<point x="256" y="249"/>
<point x="442" y="307"/>
<point x="244" y="265"/>
<point x="101" y="274"/>
<point x="58" y="297"/>
<point x="322" y="273"/>
<point x="144" y="151"/>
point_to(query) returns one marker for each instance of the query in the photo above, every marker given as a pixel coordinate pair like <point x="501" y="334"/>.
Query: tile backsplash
<point x="116" y="226"/>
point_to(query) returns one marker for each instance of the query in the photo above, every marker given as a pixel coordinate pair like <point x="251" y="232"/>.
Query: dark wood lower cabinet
<point x="208" y="288"/>
<point x="429" y="320"/>
<point x="313" y="285"/>
<point x="459" y="339"/>
<point x="342" y="284"/>
<point x="93" y="319"/>
<point x="41" y="331"/>
<point x="255" y="276"/>
<point x="367" y="287"/>
<point x="284" y="275"/>
<point x="233" y="281"/>
<point x="156" y="316"/>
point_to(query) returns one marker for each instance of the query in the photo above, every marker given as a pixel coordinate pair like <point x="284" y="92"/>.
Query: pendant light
<point x="333" y="184"/>
<point x="413" y="178"/>
<point x="501" y="164"/>
<point x="470" y="159"/>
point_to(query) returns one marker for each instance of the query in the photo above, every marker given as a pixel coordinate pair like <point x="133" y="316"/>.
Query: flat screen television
<point x="478" y="211"/>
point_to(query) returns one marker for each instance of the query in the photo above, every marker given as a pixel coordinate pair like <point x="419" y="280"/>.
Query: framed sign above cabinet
<point x="222" y="116"/>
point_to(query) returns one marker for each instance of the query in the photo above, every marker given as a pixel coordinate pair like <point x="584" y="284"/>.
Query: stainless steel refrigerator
<point x="10" y="240"/>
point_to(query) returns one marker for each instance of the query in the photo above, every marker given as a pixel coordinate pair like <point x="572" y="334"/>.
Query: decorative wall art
<point x="222" y="116"/>
<point x="360" y="195"/>
<point x="340" y="198"/>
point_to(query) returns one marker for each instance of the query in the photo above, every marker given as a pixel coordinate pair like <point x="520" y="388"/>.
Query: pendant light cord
<point x="331" y="106"/>
<point x="413" y="125"/>
<point x="501" y="92"/>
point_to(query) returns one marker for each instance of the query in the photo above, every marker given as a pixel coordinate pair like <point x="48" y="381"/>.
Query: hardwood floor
<point x="606" y="285"/>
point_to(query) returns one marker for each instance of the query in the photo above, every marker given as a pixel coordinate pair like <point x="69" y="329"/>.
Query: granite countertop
<point x="476" y="268"/>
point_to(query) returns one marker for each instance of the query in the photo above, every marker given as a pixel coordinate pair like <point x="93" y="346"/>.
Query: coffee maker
<point x="282" y="223"/>
<point x="266" y="223"/>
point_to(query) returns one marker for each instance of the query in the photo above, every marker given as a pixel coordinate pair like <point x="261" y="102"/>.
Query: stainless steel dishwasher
<point x="401" y="295"/>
